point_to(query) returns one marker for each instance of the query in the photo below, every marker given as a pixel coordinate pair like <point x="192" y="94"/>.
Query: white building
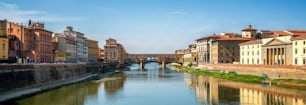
<point x="81" y="44"/>
<point x="250" y="52"/>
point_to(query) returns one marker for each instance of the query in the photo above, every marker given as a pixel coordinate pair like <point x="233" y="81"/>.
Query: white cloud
<point x="13" y="13"/>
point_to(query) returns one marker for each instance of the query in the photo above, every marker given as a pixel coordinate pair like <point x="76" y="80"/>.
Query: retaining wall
<point x="30" y="75"/>
<point x="285" y="72"/>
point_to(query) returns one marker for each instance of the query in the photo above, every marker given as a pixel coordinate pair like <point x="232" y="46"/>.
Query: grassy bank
<point x="226" y="76"/>
<point x="287" y="83"/>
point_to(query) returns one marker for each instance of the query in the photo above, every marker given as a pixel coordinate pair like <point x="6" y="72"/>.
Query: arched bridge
<point x="162" y="59"/>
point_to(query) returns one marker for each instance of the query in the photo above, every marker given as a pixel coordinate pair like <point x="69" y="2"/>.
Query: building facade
<point x="114" y="52"/>
<point x="43" y="43"/>
<point x="101" y="54"/>
<point x="250" y="52"/>
<point x="299" y="50"/>
<point x="203" y="48"/>
<point x="81" y="44"/>
<point x="3" y="42"/>
<point x="93" y="50"/>
<point x="276" y="48"/>
<point x="30" y="43"/>
<point x="226" y="50"/>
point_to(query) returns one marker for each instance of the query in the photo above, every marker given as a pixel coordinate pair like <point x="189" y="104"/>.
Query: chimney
<point x="30" y="22"/>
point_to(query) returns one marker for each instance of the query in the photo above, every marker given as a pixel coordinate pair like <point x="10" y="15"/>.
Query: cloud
<point x="177" y="13"/>
<point x="13" y="13"/>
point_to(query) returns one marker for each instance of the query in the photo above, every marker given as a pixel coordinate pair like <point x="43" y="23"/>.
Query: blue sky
<point x="156" y="26"/>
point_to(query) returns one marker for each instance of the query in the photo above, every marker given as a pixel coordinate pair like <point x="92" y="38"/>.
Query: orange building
<point x="30" y="43"/>
<point x="41" y="51"/>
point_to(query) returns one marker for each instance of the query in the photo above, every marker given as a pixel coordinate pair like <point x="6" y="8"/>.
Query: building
<point x="114" y="52"/>
<point x="42" y="52"/>
<point x="299" y="50"/>
<point x="30" y="43"/>
<point x="225" y="49"/>
<point x="93" y="50"/>
<point x="3" y="42"/>
<point x="101" y="54"/>
<point x="276" y="48"/>
<point x="203" y="48"/>
<point x="250" y="52"/>
<point x="81" y="44"/>
<point x="249" y="32"/>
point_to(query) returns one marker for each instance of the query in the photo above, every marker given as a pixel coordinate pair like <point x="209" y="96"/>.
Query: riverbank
<point x="233" y="76"/>
<point x="18" y="80"/>
<point x="9" y="96"/>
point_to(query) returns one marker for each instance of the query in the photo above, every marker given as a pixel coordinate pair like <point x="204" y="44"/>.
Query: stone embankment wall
<point x="30" y="75"/>
<point x="273" y="71"/>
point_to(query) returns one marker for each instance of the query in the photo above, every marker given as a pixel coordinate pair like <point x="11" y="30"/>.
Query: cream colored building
<point x="299" y="50"/>
<point x="276" y="48"/>
<point x="250" y="52"/>
<point x="114" y="52"/>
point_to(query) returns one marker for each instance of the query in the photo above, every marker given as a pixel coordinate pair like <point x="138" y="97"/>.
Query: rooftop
<point x="258" y="41"/>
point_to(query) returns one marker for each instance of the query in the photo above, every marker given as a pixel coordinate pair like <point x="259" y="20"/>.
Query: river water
<point x="154" y="86"/>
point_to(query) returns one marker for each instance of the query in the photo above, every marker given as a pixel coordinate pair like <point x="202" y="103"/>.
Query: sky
<point x="156" y="26"/>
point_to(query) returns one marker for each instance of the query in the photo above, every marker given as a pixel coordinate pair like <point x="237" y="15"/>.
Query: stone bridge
<point x="162" y="59"/>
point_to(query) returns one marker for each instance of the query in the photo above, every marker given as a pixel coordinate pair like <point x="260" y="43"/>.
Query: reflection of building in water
<point x="211" y="91"/>
<point x="68" y="95"/>
<point x="255" y="97"/>
<point x="115" y="84"/>
<point x="205" y="91"/>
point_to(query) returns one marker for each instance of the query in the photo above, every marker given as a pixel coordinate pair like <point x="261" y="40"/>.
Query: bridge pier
<point x="141" y="65"/>
<point x="163" y="65"/>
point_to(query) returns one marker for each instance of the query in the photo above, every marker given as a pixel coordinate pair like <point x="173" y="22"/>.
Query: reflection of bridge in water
<point x="213" y="92"/>
<point x="162" y="59"/>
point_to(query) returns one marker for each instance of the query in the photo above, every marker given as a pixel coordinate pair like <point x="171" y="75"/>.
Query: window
<point x="295" y="61"/>
<point x="3" y="47"/>
<point x="295" y="50"/>
<point x="242" y="53"/>
<point x="304" y="51"/>
<point x="257" y="52"/>
<point x="304" y="61"/>
<point x="257" y="61"/>
<point x="295" y="43"/>
<point x="304" y="42"/>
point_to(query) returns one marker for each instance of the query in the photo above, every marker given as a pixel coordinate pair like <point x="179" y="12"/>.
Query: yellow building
<point x="93" y="50"/>
<point x="3" y="42"/>
<point x="60" y="56"/>
<point x="101" y="54"/>
<point x="299" y="50"/>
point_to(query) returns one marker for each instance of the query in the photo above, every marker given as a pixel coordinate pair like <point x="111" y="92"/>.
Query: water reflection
<point x="69" y="95"/>
<point x="211" y="91"/>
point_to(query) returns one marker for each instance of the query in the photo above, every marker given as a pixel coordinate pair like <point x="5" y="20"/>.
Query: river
<point x="154" y="86"/>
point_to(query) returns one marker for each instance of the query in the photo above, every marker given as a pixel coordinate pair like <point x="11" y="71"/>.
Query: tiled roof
<point x="249" y="29"/>
<point x="281" y="33"/>
<point x="226" y="38"/>
<point x="299" y="37"/>
<point x="258" y="41"/>
<point x="206" y="37"/>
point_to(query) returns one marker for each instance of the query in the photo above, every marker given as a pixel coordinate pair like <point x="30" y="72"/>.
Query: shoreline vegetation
<point x="233" y="76"/>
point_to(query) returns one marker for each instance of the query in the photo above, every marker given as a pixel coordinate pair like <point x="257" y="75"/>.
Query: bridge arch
<point x="163" y="59"/>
